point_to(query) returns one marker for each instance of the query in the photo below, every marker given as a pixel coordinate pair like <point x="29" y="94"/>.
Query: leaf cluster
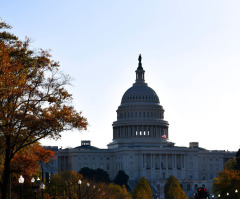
<point x="142" y="190"/>
<point x="98" y="175"/>
<point x="228" y="180"/>
<point x="65" y="185"/>
<point x="121" y="178"/>
<point x="173" y="190"/>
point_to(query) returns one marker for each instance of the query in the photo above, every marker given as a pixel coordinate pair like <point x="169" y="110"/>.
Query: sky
<point x="190" y="52"/>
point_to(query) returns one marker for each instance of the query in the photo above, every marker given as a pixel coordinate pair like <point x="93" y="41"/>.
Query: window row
<point x="125" y="115"/>
<point x="147" y="98"/>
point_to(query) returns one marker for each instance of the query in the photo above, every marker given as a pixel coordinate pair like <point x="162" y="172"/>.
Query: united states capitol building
<point x="141" y="147"/>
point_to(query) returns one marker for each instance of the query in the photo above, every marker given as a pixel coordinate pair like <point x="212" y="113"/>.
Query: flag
<point x="164" y="136"/>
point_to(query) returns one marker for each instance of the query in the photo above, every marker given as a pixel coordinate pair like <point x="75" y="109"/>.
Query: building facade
<point x="141" y="147"/>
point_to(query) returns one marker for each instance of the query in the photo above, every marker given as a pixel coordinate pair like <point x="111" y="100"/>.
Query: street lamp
<point x="212" y="196"/>
<point x="79" y="189"/>
<point x="219" y="195"/>
<point x="88" y="192"/>
<point x="21" y="181"/>
<point x="32" y="180"/>
<point x="42" y="186"/>
<point x="236" y="193"/>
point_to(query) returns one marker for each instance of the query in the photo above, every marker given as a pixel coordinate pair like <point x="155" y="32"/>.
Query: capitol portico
<point x="141" y="146"/>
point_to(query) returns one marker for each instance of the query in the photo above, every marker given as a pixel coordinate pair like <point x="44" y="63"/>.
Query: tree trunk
<point x="6" y="175"/>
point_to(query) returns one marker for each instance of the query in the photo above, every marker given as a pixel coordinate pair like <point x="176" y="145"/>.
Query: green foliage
<point x="64" y="184"/>
<point x="173" y="190"/>
<point x="121" y="178"/>
<point x="142" y="190"/>
<point x="98" y="175"/>
<point x="231" y="164"/>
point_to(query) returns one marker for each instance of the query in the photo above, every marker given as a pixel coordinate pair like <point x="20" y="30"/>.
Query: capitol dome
<point x="140" y="93"/>
<point x="140" y="117"/>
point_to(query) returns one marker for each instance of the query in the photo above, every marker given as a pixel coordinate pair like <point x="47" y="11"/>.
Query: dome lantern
<point x="140" y="72"/>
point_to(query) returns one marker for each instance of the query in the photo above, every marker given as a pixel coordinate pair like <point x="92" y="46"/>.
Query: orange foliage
<point x="26" y="161"/>
<point x="34" y="104"/>
<point x="228" y="180"/>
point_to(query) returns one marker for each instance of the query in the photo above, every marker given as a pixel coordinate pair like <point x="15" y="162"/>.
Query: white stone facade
<point x="140" y="147"/>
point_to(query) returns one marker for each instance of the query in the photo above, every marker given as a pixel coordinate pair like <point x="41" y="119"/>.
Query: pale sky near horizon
<point x="190" y="52"/>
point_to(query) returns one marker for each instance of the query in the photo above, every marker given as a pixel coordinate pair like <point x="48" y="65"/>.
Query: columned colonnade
<point x="163" y="161"/>
<point x="133" y="131"/>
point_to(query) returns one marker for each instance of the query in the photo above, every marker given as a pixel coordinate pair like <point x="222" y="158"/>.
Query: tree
<point x="228" y="180"/>
<point x="26" y="161"/>
<point x="201" y="193"/>
<point x="118" y="192"/>
<point x="121" y="178"/>
<point x="238" y="159"/>
<point x="98" y="175"/>
<point x="64" y="184"/>
<point x="142" y="190"/>
<point x="173" y="190"/>
<point x="34" y="103"/>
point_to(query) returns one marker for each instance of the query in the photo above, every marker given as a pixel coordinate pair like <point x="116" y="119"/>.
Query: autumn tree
<point x="118" y="192"/>
<point x="228" y="180"/>
<point x="142" y="190"/>
<point x="64" y="184"/>
<point x="238" y="159"/>
<point x="26" y="161"/>
<point x="34" y="103"/>
<point x="173" y="190"/>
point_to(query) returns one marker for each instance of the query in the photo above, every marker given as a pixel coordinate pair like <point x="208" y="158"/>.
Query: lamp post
<point x="219" y="195"/>
<point x="88" y="185"/>
<point x="42" y="186"/>
<point x="236" y="193"/>
<point x="227" y="195"/>
<point x="79" y="189"/>
<point x="21" y="181"/>
<point x="34" y="186"/>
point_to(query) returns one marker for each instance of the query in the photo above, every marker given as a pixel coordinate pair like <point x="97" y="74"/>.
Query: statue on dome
<point x="140" y="58"/>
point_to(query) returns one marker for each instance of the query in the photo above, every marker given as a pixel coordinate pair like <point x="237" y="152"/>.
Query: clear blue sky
<point x="190" y="50"/>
